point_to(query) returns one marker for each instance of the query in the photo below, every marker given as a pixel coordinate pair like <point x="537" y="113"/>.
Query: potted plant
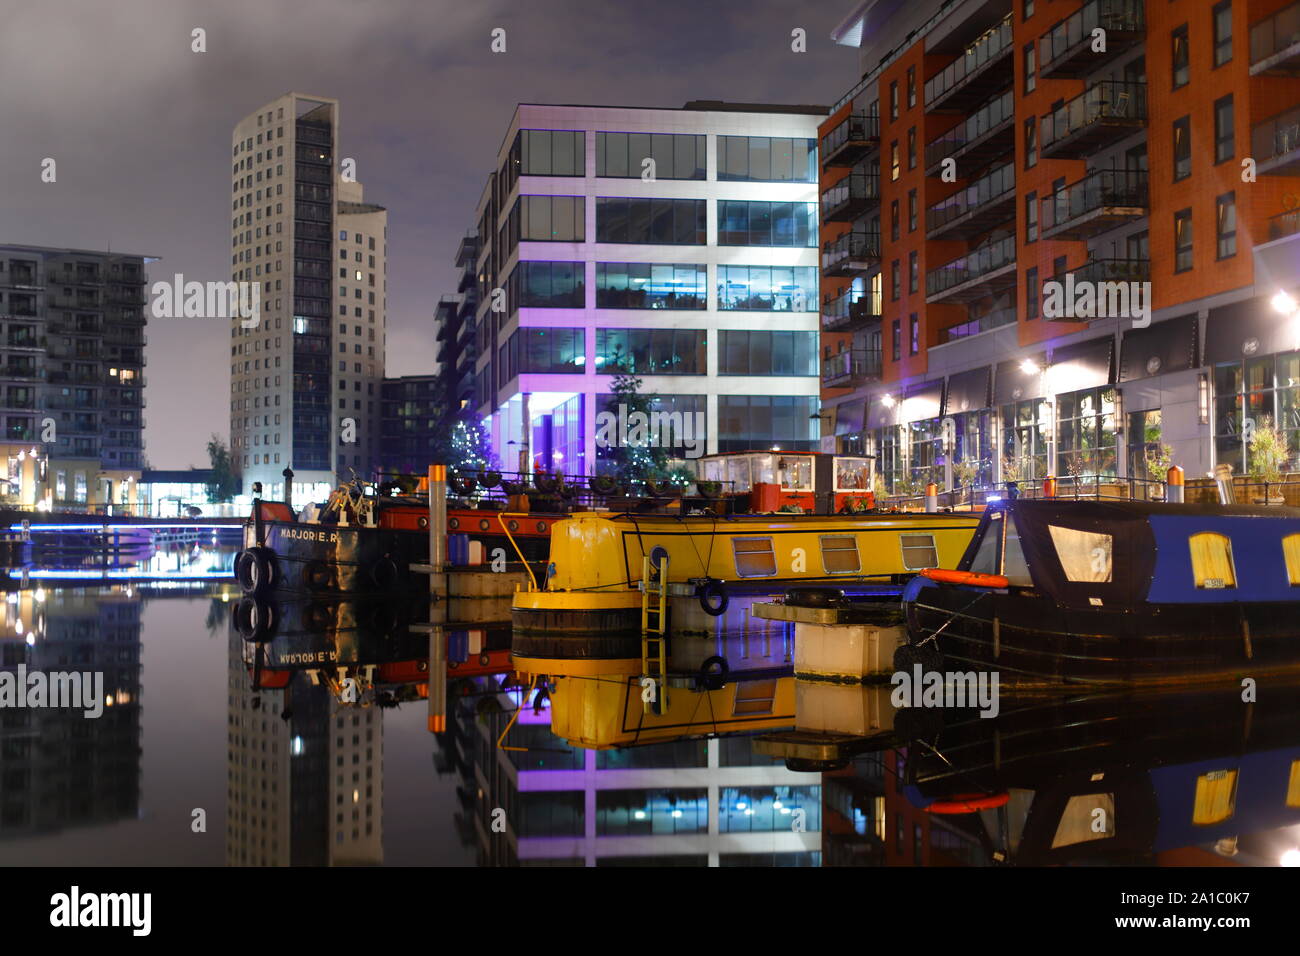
<point x="602" y="485"/>
<point x="966" y="473"/>
<point x="1269" y="454"/>
<point x="490" y="479"/>
<point x="708" y="489"/>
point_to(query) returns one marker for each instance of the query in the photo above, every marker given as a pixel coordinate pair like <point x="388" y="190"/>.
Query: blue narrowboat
<point x="1053" y="591"/>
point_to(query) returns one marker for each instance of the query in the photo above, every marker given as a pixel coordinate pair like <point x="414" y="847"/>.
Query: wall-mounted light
<point x="1203" y="398"/>
<point x="887" y="400"/>
<point x="1030" y="367"/>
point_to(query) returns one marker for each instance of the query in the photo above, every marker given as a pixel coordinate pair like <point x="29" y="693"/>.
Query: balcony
<point x="1102" y="114"/>
<point x="20" y="277"/>
<point x="854" y="253"/>
<point x="1275" y="44"/>
<point x="986" y="270"/>
<point x="852" y="368"/>
<point x="983" y="323"/>
<point x="1100" y="201"/>
<point x="1101" y="274"/>
<point x="987" y="202"/>
<point x="1066" y="49"/>
<point x="19" y="372"/>
<point x="1283" y="225"/>
<point x="851" y="197"/>
<point x="850" y="311"/>
<point x="979" y="72"/>
<point x="987" y="134"/>
<point x="1275" y="145"/>
<point x="851" y="140"/>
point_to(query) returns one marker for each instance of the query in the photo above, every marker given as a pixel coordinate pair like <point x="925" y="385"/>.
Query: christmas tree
<point x="641" y="460"/>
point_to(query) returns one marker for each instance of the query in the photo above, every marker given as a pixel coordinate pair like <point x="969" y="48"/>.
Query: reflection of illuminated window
<point x="840" y="554"/>
<point x="1293" y="785"/>
<point x="1212" y="560"/>
<point x="1086" y="817"/>
<point x="754" y="557"/>
<point x="754" y="697"/>
<point x="1216" y="797"/>
<point x="1084" y="555"/>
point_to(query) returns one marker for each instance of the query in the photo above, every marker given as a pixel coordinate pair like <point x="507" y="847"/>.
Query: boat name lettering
<point x="310" y="534"/>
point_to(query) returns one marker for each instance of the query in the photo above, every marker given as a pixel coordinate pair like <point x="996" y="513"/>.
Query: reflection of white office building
<point x="686" y="803"/>
<point x="676" y="244"/>
<point x="306" y="791"/>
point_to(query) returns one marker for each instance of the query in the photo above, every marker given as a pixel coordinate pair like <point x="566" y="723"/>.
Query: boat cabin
<point x="771" y="480"/>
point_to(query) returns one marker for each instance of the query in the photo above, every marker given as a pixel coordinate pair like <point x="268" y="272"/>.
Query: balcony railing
<point x="1067" y="48"/>
<point x="1275" y="144"/>
<point x="981" y="271"/>
<point x="1284" y="224"/>
<point x="852" y="139"/>
<point x="852" y="253"/>
<point x="850" y="310"/>
<point x="971" y="77"/>
<point x="1275" y="43"/>
<point x="851" y="196"/>
<point x="1102" y="114"/>
<point x="986" y="202"/>
<point x="983" y="323"/>
<point x="1100" y="201"/>
<point x="1108" y="278"/>
<point x="853" y="367"/>
<point x="986" y="134"/>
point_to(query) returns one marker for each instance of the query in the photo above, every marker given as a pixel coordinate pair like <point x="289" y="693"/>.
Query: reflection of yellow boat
<point x="593" y="584"/>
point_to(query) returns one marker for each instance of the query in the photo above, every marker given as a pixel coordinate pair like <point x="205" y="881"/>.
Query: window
<point x="1216" y="797"/>
<point x="754" y="557"/>
<point x="658" y="221"/>
<point x="893" y="221"/>
<point x="1224" y="147"/>
<point x="912" y="207"/>
<point x="763" y="159"/>
<point x="911" y="87"/>
<point x="1221" y="19"/>
<point x="764" y="223"/>
<point x="1086" y="440"/>
<point x="1029" y="9"/>
<point x="650" y="351"/>
<point x="1182" y="240"/>
<point x="1031" y="217"/>
<point x="675" y="156"/>
<point x="1031" y="143"/>
<point x="1031" y="293"/>
<point x="763" y="352"/>
<point x="1084" y="555"/>
<point x="911" y="148"/>
<point x="760" y="421"/>
<point x="546" y="285"/>
<point x="893" y="100"/>
<point x="1031" y="79"/>
<point x="1014" y="567"/>
<point x="767" y="288"/>
<point x="1182" y="60"/>
<point x="914" y="337"/>
<point x="918" y="551"/>
<point x="1182" y="148"/>
<point x="1212" y="560"/>
<point x="895" y="281"/>
<point x="546" y="153"/>
<point x="545" y="351"/>
<point x="913" y="272"/>
<point x="894" y="171"/>
<point x="642" y="285"/>
<point x="896" y="338"/>
<point x="542" y="219"/>
<point x="840" y="554"/>
<point x="1225" y="216"/>
<point x="1291" y="553"/>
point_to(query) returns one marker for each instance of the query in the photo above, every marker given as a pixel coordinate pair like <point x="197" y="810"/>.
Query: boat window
<point x="1014" y="567"/>
<point x="1293" y="785"/>
<point x="852" y="474"/>
<point x="754" y="557"/>
<point x="795" y="474"/>
<point x="1291" y="551"/>
<point x="1212" y="560"/>
<point x="738" y="473"/>
<point x="1086" y="817"/>
<point x="1085" y="555"/>
<point x="754" y="697"/>
<point x="1216" y="797"/>
<point x="840" y="554"/>
<point x="918" y="551"/>
<point x="986" y="557"/>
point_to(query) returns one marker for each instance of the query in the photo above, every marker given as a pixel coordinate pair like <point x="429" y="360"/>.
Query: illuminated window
<point x="754" y="557"/>
<point x="840" y="554"/>
<point x="1212" y="560"/>
<point x="1086" y="817"/>
<point x="1216" y="797"/>
<point x="1291" y="551"/>
<point x="1084" y="555"/>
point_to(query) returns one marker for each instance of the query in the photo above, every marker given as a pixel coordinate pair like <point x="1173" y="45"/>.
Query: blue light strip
<point x="118" y="527"/>
<point x="120" y="575"/>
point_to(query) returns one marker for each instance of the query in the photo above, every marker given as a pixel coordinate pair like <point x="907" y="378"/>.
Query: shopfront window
<point x="1256" y="389"/>
<point x="1025" y="427"/>
<point x="1086" y="435"/>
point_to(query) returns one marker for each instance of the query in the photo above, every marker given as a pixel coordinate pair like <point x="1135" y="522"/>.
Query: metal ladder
<point x="654" y="636"/>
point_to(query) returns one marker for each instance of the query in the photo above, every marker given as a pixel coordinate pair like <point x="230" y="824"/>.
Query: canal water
<point x="214" y="750"/>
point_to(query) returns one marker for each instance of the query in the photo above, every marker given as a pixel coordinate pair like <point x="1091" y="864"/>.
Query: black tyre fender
<point x="385" y="573"/>
<point x="713" y="672"/>
<point x="257" y="571"/>
<point x="254" y="620"/>
<point x="713" y="597"/>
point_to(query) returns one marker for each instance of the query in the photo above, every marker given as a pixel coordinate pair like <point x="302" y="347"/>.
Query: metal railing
<point x="1277" y="136"/>
<point x="1000" y="109"/>
<point x="860" y="127"/>
<point x="983" y="323"/>
<point x="1128" y="16"/>
<point x="1124" y="188"/>
<point x="1284" y="224"/>
<point x="859" y="305"/>
<point x="855" y="186"/>
<point x="856" y="246"/>
<point x="852" y="365"/>
<point x="978" y="262"/>
<point x="992" y="45"/>
<point x="1275" y="34"/>
<point x="996" y="184"/>
<point x="1106" y="100"/>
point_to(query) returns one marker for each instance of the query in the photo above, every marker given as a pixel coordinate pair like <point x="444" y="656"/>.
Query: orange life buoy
<point x="969" y="803"/>
<point x="973" y="578"/>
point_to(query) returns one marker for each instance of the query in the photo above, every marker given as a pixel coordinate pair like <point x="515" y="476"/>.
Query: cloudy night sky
<point x="140" y="129"/>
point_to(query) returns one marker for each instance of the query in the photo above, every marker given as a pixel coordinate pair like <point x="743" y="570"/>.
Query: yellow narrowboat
<point x="712" y="568"/>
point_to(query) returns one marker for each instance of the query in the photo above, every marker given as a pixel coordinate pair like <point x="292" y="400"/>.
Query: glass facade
<point x="767" y="159"/>
<point x="1026" y="428"/>
<point x="546" y="285"/>
<point x="544" y="351"/>
<point x="748" y="422"/>
<point x="767" y="288"/>
<point x="1086" y="442"/>
<point x="647" y="812"/>
<point x="767" y="353"/>
<point x="643" y="285"/>
<point x="768" y="809"/>
<point x="669" y="222"/>
<point x="742" y="223"/>
<point x="674" y="155"/>
<point x="1256" y="389"/>
<point x="651" y="351"/>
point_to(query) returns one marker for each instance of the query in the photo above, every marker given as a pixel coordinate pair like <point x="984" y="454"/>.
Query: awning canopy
<point x="1013" y="384"/>
<point x="849" y="416"/>
<point x="967" y="391"/>
<point x="922" y="401"/>
<point x="1168" y="346"/>
<point x="1082" y="365"/>
<point x="1245" y="329"/>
